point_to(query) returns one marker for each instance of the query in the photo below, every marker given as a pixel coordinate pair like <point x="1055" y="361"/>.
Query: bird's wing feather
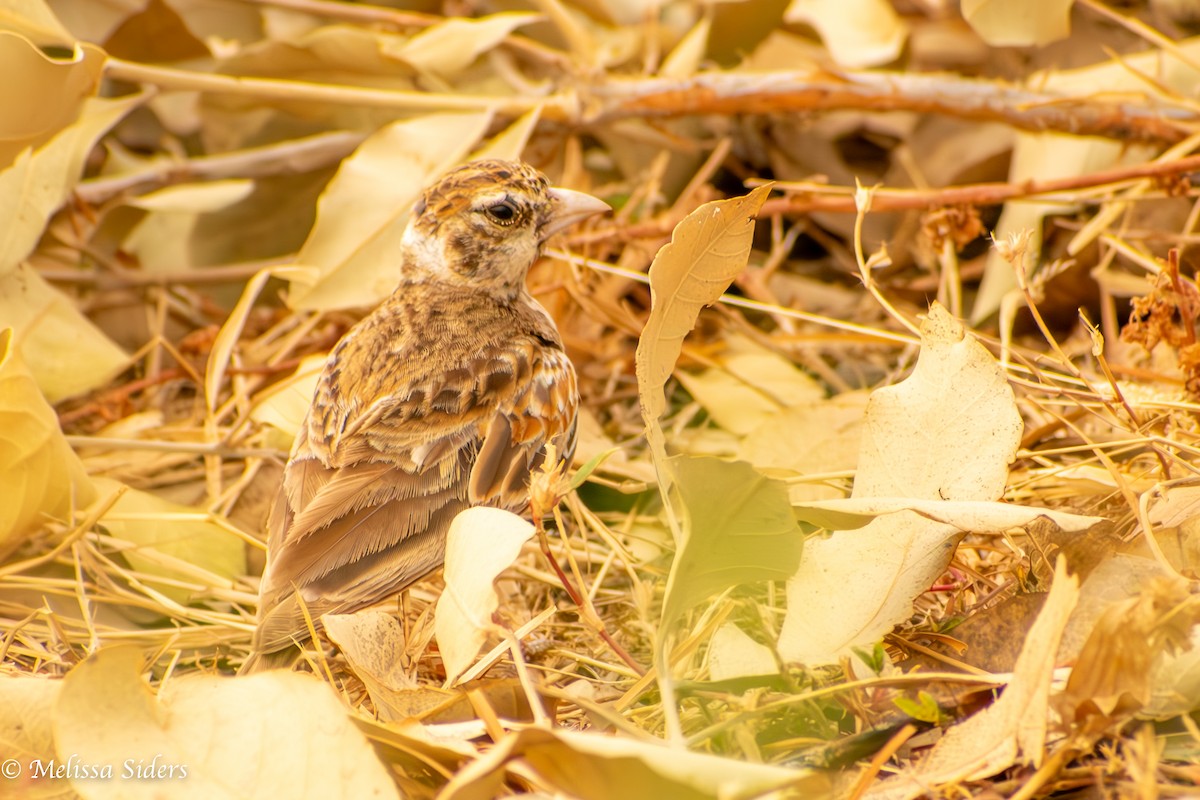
<point x="365" y="515"/>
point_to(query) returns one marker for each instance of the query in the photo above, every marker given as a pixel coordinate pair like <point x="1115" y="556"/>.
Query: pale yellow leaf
<point x="164" y="239"/>
<point x="64" y="351"/>
<point x="815" y="437"/>
<point x="285" y="403"/>
<point x="227" y="338"/>
<point x="275" y="734"/>
<point x="1019" y="23"/>
<point x="195" y="197"/>
<point x="451" y="46"/>
<point x="733" y="654"/>
<point x="373" y="643"/>
<point x="27" y="734"/>
<point x="482" y="542"/>
<point x="37" y="183"/>
<point x="35" y="19"/>
<point x="593" y="766"/>
<point x="980" y="516"/>
<point x="749" y="385"/>
<point x="858" y="33"/>
<point x="688" y="55"/>
<point x="948" y="432"/>
<point x="171" y="541"/>
<point x="95" y="20"/>
<point x="361" y="215"/>
<point x="47" y="97"/>
<point x="706" y="252"/>
<point x="510" y="143"/>
<point x="40" y="476"/>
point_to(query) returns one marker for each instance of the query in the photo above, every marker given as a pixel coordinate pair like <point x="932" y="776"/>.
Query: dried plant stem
<point x="863" y="200"/>
<point x="582" y="600"/>
<point x="820" y="197"/>
<point x="293" y="156"/>
<point x="737" y="93"/>
<point x="278" y="90"/>
<point x="732" y="94"/>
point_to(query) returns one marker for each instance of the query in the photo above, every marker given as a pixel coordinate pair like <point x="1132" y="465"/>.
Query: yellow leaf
<point x="948" y="432"/>
<point x="595" y="766"/>
<point x="34" y="19"/>
<point x="26" y="702"/>
<point x="451" y="46"/>
<point x="36" y="183"/>
<point x="48" y="96"/>
<point x="707" y="250"/>
<point x="64" y="351"/>
<point x="857" y="33"/>
<point x="482" y="543"/>
<point x="1019" y="23"/>
<point x="275" y="734"/>
<point x="171" y="540"/>
<point x="39" y="473"/>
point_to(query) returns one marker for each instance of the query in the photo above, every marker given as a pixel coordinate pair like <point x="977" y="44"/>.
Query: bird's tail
<point x="260" y="660"/>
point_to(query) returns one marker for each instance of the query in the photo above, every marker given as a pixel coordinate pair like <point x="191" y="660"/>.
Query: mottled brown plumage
<point x="443" y="398"/>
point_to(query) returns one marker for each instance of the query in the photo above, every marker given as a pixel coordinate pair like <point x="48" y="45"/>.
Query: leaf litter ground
<point x="148" y="310"/>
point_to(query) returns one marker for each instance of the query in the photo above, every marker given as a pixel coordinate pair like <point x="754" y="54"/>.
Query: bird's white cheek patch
<point x="424" y="252"/>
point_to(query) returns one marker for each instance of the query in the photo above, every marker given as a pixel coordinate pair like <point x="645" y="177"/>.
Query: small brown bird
<point x="443" y="398"/>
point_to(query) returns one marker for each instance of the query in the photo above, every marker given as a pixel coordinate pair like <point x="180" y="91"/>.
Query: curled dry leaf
<point x="946" y="433"/>
<point x="1120" y="668"/>
<point x="482" y="542"/>
<point x="51" y="88"/>
<point x="706" y="252"/>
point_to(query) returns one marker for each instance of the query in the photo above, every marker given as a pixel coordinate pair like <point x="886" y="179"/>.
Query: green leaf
<point x="923" y="709"/>
<point x="737" y="527"/>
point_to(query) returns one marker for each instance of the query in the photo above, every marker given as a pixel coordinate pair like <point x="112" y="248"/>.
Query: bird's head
<point x="484" y="224"/>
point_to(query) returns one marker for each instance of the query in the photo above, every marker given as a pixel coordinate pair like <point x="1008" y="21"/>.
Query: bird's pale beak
<point x="571" y="207"/>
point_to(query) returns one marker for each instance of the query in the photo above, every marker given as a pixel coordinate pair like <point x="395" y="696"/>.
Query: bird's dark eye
<point x="503" y="212"/>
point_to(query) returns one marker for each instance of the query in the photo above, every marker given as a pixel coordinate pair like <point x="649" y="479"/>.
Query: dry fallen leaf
<point x="26" y="702"/>
<point x="707" y="250"/>
<point x="946" y="433"/>
<point x="858" y="33"/>
<point x="449" y="47"/>
<point x="733" y="654"/>
<point x="482" y="542"/>
<point x="52" y="89"/>
<point x="40" y="476"/>
<point x="276" y="734"/>
<point x="170" y="541"/>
